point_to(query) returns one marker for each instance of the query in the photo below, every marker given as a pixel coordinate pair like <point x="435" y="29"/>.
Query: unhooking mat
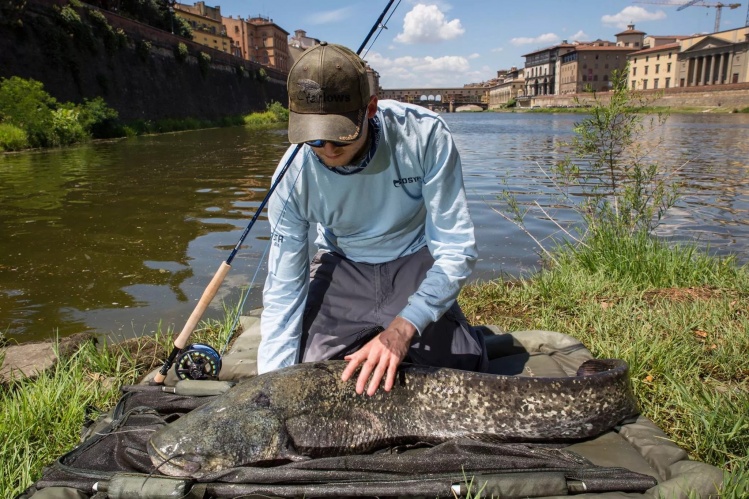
<point x="635" y="460"/>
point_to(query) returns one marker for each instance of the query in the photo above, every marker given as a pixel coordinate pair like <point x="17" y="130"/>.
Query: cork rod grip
<point x="181" y="341"/>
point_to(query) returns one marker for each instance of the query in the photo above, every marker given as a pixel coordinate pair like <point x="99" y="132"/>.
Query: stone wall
<point x="139" y="82"/>
<point x="733" y="96"/>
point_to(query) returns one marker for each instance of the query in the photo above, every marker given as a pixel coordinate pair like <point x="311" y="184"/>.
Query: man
<point x="383" y="184"/>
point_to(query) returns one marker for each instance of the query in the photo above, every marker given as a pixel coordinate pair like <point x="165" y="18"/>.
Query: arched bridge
<point x="439" y="99"/>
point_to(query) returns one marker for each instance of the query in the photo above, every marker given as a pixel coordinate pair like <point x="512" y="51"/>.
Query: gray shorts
<point x="349" y="302"/>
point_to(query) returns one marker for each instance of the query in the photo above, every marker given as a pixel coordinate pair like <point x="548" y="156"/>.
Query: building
<point x="589" y="66"/>
<point x="654" y="67"/>
<point x="299" y="43"/>
<point x="541" y="69"/>
<point x="689" y="61"/>
<point x="509" y="85"/>
<point x="207" y="26"/>
<point x="714" y="59"/>
<point x="260" y="40"/>
<point x="631" y="38"/>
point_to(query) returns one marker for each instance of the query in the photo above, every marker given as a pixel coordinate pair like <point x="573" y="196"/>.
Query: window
<point x="657" y="68"/>
<point x="658" y="57"/>
<point x="647" y="58"/>
<point x="633" y="84"/>
<point x="634" y="71"/>
<point x="668" y="82"/>
<point x="646" y="69"/>
<point x="668" y="67"/>
<point x="644" y="84"/>
<point x="655" y="83"/>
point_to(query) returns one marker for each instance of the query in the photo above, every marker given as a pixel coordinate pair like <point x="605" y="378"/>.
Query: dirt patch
<point x="683" y="294"/>
<point x="30" y="359"/>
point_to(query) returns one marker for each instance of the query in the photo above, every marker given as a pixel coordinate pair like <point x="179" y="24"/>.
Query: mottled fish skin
<point x="306" y="411"/>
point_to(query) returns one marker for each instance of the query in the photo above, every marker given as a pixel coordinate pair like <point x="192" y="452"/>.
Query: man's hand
<point x="380" y="355"/>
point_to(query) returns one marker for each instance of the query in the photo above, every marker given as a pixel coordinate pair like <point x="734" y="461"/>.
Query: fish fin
<point x="290" y="453"/>
<point x="595" y="366"/>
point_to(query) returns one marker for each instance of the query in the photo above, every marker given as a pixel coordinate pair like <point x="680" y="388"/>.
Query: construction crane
<point x="698" y="3"/>
<point x="718" y="8"/>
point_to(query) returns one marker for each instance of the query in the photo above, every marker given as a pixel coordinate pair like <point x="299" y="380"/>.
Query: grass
<point x="41" y="418"/>
<point x="678" y="317"/>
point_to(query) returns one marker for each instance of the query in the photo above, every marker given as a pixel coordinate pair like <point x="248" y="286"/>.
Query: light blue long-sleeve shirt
<point x="411" y="194"/>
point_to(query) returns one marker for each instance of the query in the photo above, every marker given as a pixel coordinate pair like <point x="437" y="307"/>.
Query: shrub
<point x="105" y="30"/>
<point x="143" y="49"/>
<point x="25" y="104"/>
<point x="181" y="52"/>
<point x="607" y="176"/>
<point x="99" y="120"/>
<point x="204" y="61"/>
<point x="262" y="75"/>
<point x="66" y="128"/>
<point x="12" y="138"/>
<point x="71" y="21"/>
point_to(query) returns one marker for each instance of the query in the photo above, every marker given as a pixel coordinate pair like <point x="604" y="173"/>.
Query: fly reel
<point x="198" y="361"/>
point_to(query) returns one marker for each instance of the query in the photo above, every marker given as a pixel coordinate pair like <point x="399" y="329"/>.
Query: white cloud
<point x="331" y="16"/>
<point x="409" y="71"/>
<point x="498" y="49"/>
<point x="632" y="14"/>
<point x="580" y="36"/>
<point x="427" y="24"/>
<point x="474" y="56"/>
<point x="545" y="39"/>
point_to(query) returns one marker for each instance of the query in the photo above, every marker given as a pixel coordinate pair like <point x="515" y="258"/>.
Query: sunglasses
<point x="321" y="143"/>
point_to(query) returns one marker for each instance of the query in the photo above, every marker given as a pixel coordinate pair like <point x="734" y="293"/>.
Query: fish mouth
<point x="179" y="465"/>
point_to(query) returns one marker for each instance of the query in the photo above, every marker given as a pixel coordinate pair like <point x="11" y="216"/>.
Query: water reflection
<point x="117" y="236"/>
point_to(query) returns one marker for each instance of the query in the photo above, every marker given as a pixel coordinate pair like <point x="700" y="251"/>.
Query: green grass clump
<point x="678" y="317"/>
<point x="41" y="417"/>
<point x="274" y="114"/>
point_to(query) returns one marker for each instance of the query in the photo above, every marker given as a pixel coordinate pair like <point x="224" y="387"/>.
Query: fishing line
<point x="383" y="26"/>
<point x="257" y="269"/>
<point x="209" y="359"/>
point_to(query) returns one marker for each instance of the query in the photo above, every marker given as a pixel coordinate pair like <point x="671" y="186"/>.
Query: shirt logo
<point x="277" y="239"/>
<point x="408" y="180"/>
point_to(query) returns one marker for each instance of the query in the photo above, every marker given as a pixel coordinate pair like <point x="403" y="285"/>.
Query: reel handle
<point x="181" y="340"/>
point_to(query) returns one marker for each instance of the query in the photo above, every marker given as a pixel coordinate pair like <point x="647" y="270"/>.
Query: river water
<point x="122" y="237"/>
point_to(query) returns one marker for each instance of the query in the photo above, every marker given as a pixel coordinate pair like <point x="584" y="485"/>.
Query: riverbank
<point x="679" y="318"/>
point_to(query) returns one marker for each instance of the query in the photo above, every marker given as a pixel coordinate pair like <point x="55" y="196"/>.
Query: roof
<point x="630" y="32"/>
<point x="549" y="49"/>
<point x="659" y="48"/>
<point x="612" y="48"/>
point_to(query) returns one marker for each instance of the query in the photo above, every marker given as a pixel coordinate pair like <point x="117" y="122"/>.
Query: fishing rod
<point x="200" y="361"/>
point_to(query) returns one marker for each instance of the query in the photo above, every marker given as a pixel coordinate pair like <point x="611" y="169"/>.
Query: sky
<point x="444" y="43"/>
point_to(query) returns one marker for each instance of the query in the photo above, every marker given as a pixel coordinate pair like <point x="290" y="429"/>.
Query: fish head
<point x="205" y="442"/>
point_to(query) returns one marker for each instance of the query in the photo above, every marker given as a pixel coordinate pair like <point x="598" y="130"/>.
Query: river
<point x="122" y="237"/>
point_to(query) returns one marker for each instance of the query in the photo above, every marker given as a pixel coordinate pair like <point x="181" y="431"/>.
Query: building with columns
<point x="715" y="59"/>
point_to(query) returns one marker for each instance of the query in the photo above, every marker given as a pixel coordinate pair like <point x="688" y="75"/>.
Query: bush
<point x="181" y="52"/>
<point x="66" y="128"/>
<point x="262" y="75"/>
<point x="143" y="49"/>
<point x="12" y="138"/>
<point x="274" y="113"/>
<point x="204" y="61"/>
<point x="25" y="104"/>
<point x="100" y="120"/>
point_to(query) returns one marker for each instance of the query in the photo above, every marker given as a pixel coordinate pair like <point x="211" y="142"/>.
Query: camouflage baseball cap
<point x="328" y="95"/>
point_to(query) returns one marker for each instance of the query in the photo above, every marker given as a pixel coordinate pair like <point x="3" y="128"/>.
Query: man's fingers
<point x="353" y="363"/>
<point x="366" y="370"/>
<point x="379" y="372"/>
<point x="390" y="380"/>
